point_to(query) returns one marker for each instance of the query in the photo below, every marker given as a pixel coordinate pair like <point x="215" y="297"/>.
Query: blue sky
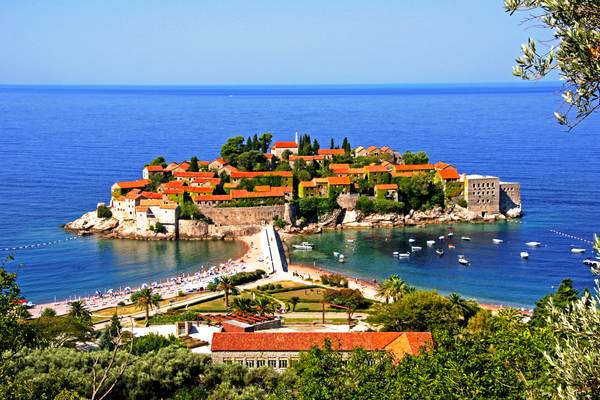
<point x="257" y="42"/>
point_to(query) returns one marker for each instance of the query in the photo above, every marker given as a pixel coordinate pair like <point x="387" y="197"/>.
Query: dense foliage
<point x="103" y="212"/>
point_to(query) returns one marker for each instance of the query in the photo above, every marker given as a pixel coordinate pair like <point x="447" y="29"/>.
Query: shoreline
<point x="167" y="287"/>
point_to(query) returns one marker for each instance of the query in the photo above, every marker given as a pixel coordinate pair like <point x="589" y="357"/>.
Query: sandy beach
<point x="169" y="287"/>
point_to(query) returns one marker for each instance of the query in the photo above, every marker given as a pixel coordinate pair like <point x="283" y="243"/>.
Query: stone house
<point x="328" y="154"/>
<point x="149" y="212"/>
<point x="121" y="188"/>
<point x="123" y="207"/>
<point x="387" y="191"/>
<point x="280" y="350"/>
<point x="150" y="170"/>
<point x="217" y="165"/>
<point x="280" y="147"/>
<point x="309" y="160"/>
<point x="482" y="194"/>
<point x="510" y="196"/>
<point x="377" y="173"/>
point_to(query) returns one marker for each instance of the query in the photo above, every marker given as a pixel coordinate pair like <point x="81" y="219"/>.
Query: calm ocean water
<point x="62" y="148"/>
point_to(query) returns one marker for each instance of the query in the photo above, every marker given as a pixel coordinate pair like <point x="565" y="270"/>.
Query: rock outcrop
<point x="90" y="223"/>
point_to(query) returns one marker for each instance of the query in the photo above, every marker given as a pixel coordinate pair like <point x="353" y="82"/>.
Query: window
<point x="272" y="363"/>
<point x="283" y="363"/>
<point x="260" y="363"/>
<point x="250" y="363"/>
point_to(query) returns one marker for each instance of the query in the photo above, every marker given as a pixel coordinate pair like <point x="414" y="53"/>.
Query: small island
<point x="300" y="188"/>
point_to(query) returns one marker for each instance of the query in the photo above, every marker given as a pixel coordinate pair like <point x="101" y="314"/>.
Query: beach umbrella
<point x="144" y="285"/>
<point x="127" y="288"/>
<point x="109" y="291"/>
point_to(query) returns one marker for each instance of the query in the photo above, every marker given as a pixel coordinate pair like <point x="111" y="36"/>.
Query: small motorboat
<point x="441" y="237"/>
<point x="450" y="234"/>
<point x="468" y="239"/>
<point x="451" y="246"/>
<point x="350" y="240"/>
<point x="341" y="259"/>
<point x="591" y="262"/>
<point x="577" y="250"/>
<point x="497" y="241"/>
<point x="524" y="255"/>
<point x="303" y="246"/>
<point x="430" y="242"/>
<point x="463" y="260"/>
<point x="533" y="244"/>
<point x="404" y="255"/>
<point x="412" y="240"/>
<point x="395" y="254"/>
<point x="439" y="252"/>
<point x="336" y="254"/>
<point x="416" y="248"/>
<point x="341" y="256"/>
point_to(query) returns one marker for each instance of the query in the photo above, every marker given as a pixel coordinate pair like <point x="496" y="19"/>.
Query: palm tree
<point x="466" y="308"/>
<point x="146" y="300"/>
<point x="226" y="285"/>
<point x="242" y="305"/>
<point x="263" y="305"/>
<point x="393" y="288"/>
<point x="294" y="300"/>
<point x="79" y="311"/>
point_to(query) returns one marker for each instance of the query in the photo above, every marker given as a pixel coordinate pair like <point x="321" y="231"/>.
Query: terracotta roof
<point x="262" y="188"/>
<point x="294" y="157"/>
<point x="285" y="145"/>
<point x="448" y="173"/>
<point x="134" y="194"/>
<point x="414" y="167"/>
<point x="172" y="184"/>
<point x="140" y="183"/>
<point x="281" y="189"/>
<point x="240" y="174"/>
<point x="213" y="197"/>
<point x="332" y="151"/>
<point x="154" y="168"/>
<point x="152" y="195"/>
<point x="169" y="206"/>
<point x="385" y="148"/>
<point x="184" y="166"/>
<point x="441" y="165"/>
<point x="196" y="189"/>
<point x="203" y="163"/>
<point x="244" y="194"/>
<point x="171" y="166"/>
<point x="230" y="185"/>
<point x="340" y="170"/>
<point x="404" y="174"/>
<point x="303" y="341"/>
<point x="338" y="180"/>
<point x="356" y="171"/>
<point x="175" y="190"/>
<point x="141" y="209"/>
<point x="201" y="174"/>
<point x="386" y="186"/>
<point x="333" y="166"/>
<point x="308" y="184"/>
<point x="151" y="202"/>
<point x="371" y="148"/>
<point x="212" y="181"/>
<point x="376" y="168"/>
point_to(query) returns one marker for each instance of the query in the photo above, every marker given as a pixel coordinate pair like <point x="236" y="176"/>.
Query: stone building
<point x="150" y="212"/>
<point x="510" y="196"/>
<point x="280" y="350"/>
<point x="482" y="194"/>
<point x="280" y="147"/>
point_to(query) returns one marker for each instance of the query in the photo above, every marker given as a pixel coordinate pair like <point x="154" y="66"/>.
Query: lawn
<point x="315" y="294"/>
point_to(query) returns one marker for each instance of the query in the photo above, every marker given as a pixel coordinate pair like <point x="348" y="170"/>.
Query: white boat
<point x="412" y="240"/>
<point x="441" y="237"/>
<point x="592" y="263"/>
<point x="336" y="254"/>
<point x="497" y="241"/>
<point x="303" y="246"/>
<point x="416" y="248"/>
<point x="577" y="250"/>
<point x="341" y="260"/>
<point x="465" y="238"/>
<point x="463" y="260"/>
<point x="341" y="256"/>
<point x="524" y="255"/>
<point x="350" y="240"/>
<point x="439" y="252"/>
<point x="430" y="242"/>
<point x="395" y="254"/>
<point x="404" y="255"/>
<point x="450" y="234"/>
<point x="533" y="244"/>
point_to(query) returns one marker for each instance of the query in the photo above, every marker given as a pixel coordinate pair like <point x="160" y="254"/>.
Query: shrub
<point x="279" y="222"/>
<point x="246" y="277"/>
<point x="160" y="228"/>
<point x="462" y="203"/>
<point x="103" y="212"/>
<point x="153" y="342"/>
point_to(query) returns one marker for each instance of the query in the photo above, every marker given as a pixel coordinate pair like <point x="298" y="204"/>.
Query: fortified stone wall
<point x="510" y="195"/>
<point x="236" y="216"/>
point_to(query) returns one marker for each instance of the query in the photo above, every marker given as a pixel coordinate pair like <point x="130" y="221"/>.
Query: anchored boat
<point x="497" y="241"/>
<point x="303" y="246"/>
<point x="524" y="255"/>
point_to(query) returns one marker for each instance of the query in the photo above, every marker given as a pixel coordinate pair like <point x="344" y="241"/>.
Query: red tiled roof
<point x="404" y="174"/>
<point x="414" y="167"/>
<point x="195" y="189"/>
<point x="333" y="166"/>
<point x="203" y="163"/>
<point x="371" y="148"/>
<point x="356" y="171"/>
<point x="201" y="174"/>
<point x="448" y="173"/>
<point x="285" y="145"/>
<point x="376" y="168"/>
<point x="184" y="166"/>
<point x="308" y="184"/>
<point x="152" y="195"/>
<point x="303" y="341"/>
<point x="294" y="157"/>
<point x="140" y="183"/>
<point x="213" y="197"/>
<point x="332" y="151"/>
<point x="441" y="165"/>
<point x="134" y="194"/>
<point x="179" y="190"/>
<point x="338" y="180"/>
<point x="244" y="194"/>
<point x="212" y="181"/>
<point x="172" y="184"/>
<point x="154" y="168"/>
<point x="262" y="188"/>
<point x="268" y="156"/>
<point x="171" y="166"/>
<point x="386" y="186"/>
<point x="240" y="174"/>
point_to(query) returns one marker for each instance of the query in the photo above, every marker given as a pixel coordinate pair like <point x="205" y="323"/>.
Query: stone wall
<point x="510" y="196"/>
<point x="236" y="216"/>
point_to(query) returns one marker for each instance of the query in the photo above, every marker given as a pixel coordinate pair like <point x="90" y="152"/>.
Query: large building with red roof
<point x="281" y="349"/>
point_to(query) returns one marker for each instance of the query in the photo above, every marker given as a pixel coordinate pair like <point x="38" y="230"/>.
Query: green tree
<point x="243" y="305"/>
<point x="103" y="212"/>
<point x="564" y="296"/>
<point x="227" y="285"/>
<point x="251" y="160"/>
<point x="232" y="149"/>
<point x="264" y="305"/>
<point x="348" y="299"/>
<point x="154" y="342"/>
<point x="265" y="142"/>
<point x="574" y="52"/>
<point x="145" y="299"/>
<point x="466" y="308"/>
<point x="419" y="157"/>
<point x="79" y="311"/>
<point x="194" y="167"/>
<point x="294" y="300"/>
<point x="421" y="311"/>
<point x="160" y="160"/>
<point x="393" y="288"/>
<point x="48" y="312"/>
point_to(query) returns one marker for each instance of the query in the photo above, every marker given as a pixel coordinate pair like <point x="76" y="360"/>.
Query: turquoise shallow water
<point x="62" y="148"/>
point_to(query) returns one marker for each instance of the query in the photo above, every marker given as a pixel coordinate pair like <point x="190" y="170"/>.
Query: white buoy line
<point x="38" y="245"/>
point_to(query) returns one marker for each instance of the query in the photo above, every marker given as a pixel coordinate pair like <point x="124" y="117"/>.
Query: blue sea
<point x="62" y="147"/>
